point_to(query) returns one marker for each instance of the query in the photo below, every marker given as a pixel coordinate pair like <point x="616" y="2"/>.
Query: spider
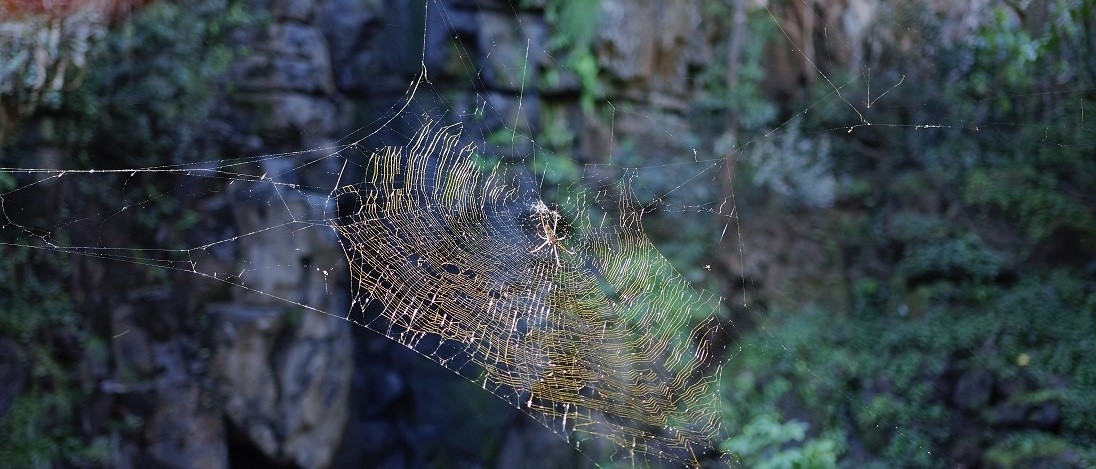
<point x="548" y="228"/>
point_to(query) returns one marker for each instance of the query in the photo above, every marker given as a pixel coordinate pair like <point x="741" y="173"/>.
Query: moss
<point x="575" y="24"/>
<point x="41" y="426"/>
<point x="1037" y="449"/>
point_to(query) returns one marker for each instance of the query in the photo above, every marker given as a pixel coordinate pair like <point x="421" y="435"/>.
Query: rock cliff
<point x="216" y="376"/>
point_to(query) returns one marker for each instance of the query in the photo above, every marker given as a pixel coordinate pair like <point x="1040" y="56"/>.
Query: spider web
<point x="577" y="324"/>
<point x="459" y="246"/>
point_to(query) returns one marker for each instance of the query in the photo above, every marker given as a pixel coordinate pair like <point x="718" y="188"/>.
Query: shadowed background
<point x="924" y="283"/>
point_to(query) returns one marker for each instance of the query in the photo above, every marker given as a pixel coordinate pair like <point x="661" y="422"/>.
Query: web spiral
<point x="573" y="318"/>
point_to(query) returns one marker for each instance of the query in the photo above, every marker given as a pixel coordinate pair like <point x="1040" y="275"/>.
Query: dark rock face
<point x="294" y="58"/>
<point x="184" y="431"/>
<point x="13" y="373"/>
<point x="284" y="90"/>
<point x="163" y="380"/>
<point x="285" y="386"/>
<point x="989" y="406"/>
<point x="647" y="48"/>
<point x="973" y="389"/>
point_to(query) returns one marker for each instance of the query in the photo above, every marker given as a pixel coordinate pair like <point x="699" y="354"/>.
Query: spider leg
<point x="542" y="245"/>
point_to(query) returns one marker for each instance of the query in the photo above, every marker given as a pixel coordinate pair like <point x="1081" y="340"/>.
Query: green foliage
<point x="555" y="168"/>
<point x="575" y="23"/>
<point x="759" y="435"/>
<point x="895" y="368"/>
<point x="965" y="252"/>
<point x="1032" y="449"/>
<point x="766" y="443"/>
<point x="555" y="143"/>
<point x="962" y="257"/>
<point x="7" y="182"/>
<point x="28" y="444"/>
<point x="585" y="65"/>
<point x="150" y="96"/>
<point x="41" y="427"/>
<point x="41" y="56"/>
<point x="32" y="300"/>
<point x="739" y="94"/>
<point x="1030" y="200"/>
<point x="1035" y="181"/>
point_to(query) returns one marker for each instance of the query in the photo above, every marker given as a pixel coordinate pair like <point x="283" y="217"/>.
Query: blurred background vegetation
<point x="940" y="309"/>
<point x="963" y="256"/>
<point x="84" y="90"/>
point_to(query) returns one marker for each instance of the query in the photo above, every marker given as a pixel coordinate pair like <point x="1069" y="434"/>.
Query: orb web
<point x="576" y="320"/>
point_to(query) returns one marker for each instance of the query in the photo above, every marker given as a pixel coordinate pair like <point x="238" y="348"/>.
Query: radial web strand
<point x="574" y="319"/>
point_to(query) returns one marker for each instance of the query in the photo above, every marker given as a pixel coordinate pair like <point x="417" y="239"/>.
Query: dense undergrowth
<point x="968" y="254"/>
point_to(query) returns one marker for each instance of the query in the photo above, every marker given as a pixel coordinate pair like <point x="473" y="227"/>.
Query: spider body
<point x="549" y="222"/>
